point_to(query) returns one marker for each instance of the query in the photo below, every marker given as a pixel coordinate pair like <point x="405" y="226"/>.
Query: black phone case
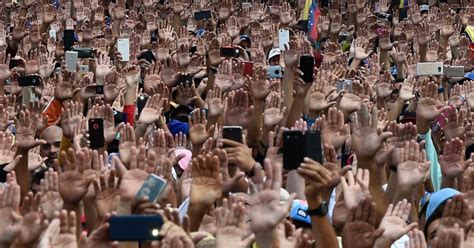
<point x="307" y="67"/>
<point x="202" y="15"/>
<point x="84" y="53"/>
<point x="229" y="52"/>
<point x="32" y="80"/>
<point x="313" y="148"/>
<point x="141" y="101"/>
<point x="234" y="134"/>
<point x="135" y="227"/>
<point x="69" y="39"/>
<point x="293" y="149"/>
<point x="96" y="132"/>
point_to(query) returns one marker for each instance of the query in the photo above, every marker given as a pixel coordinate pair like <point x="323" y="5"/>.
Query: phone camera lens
<point x="95" y="126"/>
<point x="277" y="72"/>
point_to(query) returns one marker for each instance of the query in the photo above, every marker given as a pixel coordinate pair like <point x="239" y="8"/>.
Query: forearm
<point x="140" y="130"/>
<point x="255" y="124"/>
<point x="287" y="87"/>
<point x="384" y="60"/>
<point x="267" y="239"/>
<point x="323" y="232"/>
<point x="395" y="111"/>
<point x="423" y="51"/>
<point x="401" y="71"/>
<point x="392" y="186"/>
<point x="295" y="184"/>
<point x="116" y="28"/>
<point x="22" y="173"/>
<point x="448" y="182"/>
<point x="375" y="185"/>
<point x="355" y="64"/>
<point x="195" y="213"/>
<point x="91" y="214"/>
<point x="295" y="111"/>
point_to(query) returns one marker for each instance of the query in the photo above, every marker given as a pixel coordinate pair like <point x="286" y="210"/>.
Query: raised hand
<point x="215" y="102"/>
<point x="334" y="132"/>
<point x="64" y="86"/>
<point x="416" y="239"/>
<point x="454" y="124"/>
<point x="266" y="212"/>
<point x="9" y="212"/>
<point x="238" y="111"/>
<point x="7" y="151"/>
<point x="274" y="111"/>
<point x="152" y="110"/>
<point x="73" y="183"/>
<point x="355" y="189"/>
<point x="32" y="223"/>
<point x="70" y="117"/>
<point x="317" y="96"/>
<point x="317" y="179"/>
<point x="206" y="186"/>
<point x="25" y="132"/>
<point x="107" y="194"/>
<point x="51" y="200"/>
<point x="127" y="141"/>
<point x="394" y="222"/>
<point x="100" y="236"/>
<point x="198" y="131"/>
<point x="452" y="161"/>
<point x="61" y="232"/>
<point x="231" y="226"/>
<point x="260" y="87"/>
<point x="360" y="231"/>
<point x="365" y="139"/>
<point x="452" y="237"/>
<point x="427" y="107"/>
<point x="413" y="167"/>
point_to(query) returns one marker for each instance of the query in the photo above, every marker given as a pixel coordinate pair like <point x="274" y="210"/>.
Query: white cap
<point x="424" y="7"/>
<point x="274" y="52"/>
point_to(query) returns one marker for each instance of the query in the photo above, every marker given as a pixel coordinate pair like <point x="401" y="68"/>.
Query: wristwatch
<point x="322" y="210"/>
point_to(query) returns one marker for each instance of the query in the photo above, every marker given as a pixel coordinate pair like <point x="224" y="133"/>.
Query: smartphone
<point x="453" y="71"/>
<point x="31" y="80"/>
<point x="303" y="25"/>
<point x="99" y="89"/>
<point x="83" y="70"/>
<point x="135" y="227"/>
<point x="69" y="39"/>
<point x="152" y="188"/>
<point x="52" y="33"/>
<point x="293" y="149"/>
<point x="344" y="84"/>
<point x="307" y="67"/>
<point x="141" y="101"/>
<point x="312" y="146"/>
<point x="429" y="69"/>
<point x="202" y="15"/>
<point x="248" y="69"/>
<point x="274" y="71"/>
<point x="148" y="56"/>
<point x="71" y="58"/>
<point x="230" y="52"/>
<point x="96" y="132"/>
<point x="123" y="47"/>
<point x="84" y="52"/>
<point x="283" y="38"/>
<point x="15" y="63"/>
<point x="232" y="133"/>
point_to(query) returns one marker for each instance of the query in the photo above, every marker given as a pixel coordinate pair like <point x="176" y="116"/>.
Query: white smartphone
<point x="283" y="38"/>
<point x="71" y="58"/>
<point x="429" y="69"/>
<point x="123" y="47"/>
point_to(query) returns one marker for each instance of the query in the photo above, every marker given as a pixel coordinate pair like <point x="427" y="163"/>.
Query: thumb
<point x="236" y="178"/>
<point x="385" y="135"/>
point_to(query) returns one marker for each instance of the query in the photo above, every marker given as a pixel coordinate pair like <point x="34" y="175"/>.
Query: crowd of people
<point x="169" y="124"/>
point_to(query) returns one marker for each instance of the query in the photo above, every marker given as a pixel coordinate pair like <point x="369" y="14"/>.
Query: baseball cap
<point x="176" y="127"/>
<point x="274" y="52"/>
<point x="299" y="211"/>
<point x="437" y="199"/>
<point x="424" y="8"/>
<point x="469" y="75"/>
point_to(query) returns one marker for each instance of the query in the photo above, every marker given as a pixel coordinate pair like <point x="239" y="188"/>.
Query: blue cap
<point x="299" y="211"/>
<point x="438" y="198"/>
<point x="469" y="75"/>
<point x="176" y="127"/>
<point x="200" y="32"/>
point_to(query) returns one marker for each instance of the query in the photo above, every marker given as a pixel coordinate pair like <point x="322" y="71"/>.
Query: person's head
<point x="53" y="136"/>
<point x="274" y="57"/>
<point x="434" y="210"/>
<point x="245" y="41"/>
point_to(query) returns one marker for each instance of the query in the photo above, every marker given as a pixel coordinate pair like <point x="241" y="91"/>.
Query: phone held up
<point x="298" y="145"/>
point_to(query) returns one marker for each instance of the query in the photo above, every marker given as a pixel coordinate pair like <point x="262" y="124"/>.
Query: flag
<point x="313" y="18"/>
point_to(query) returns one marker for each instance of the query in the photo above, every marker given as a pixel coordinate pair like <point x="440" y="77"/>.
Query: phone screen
<point x="69" y="39"/>
<point x="152" y="188"/>
<point x="123" y="47"/>
<point x="307" y="67"/>
<point x="31" y="80"/>
<point x="232" y="133"/>
<point x="283" y="38"/>
<point x="293" y="149"/>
